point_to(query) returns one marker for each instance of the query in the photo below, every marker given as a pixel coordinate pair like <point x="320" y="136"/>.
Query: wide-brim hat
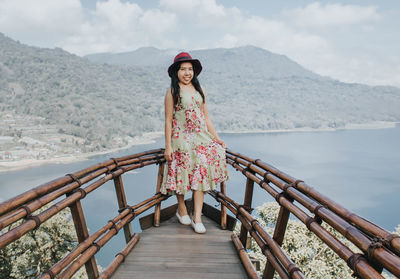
<point x="185" y="57"/>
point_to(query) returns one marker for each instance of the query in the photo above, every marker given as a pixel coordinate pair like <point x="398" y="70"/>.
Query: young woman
<point x="195" y="154"/>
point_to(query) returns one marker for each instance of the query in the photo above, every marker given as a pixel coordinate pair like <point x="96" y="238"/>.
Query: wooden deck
<point x="176" y="251"/>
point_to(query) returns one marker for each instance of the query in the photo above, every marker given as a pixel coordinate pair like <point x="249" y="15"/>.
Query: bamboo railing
<point x="380" y="249"/>
<point x="75" y="187"/>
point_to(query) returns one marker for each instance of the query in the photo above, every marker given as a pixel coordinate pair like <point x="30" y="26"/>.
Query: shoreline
<point x="150" y="137"/>
<point x="10" y="166"/>
<point x="365" y="126"/>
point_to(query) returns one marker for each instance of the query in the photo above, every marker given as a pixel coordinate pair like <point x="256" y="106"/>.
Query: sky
<point x="352" y="41"/>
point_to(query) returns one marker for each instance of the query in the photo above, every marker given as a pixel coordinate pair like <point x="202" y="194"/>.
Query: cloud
<point x="112" y="26"/>
<point x="230" y="27"/>
<point x="364" y="68"/>
<point x="202" y="8"/>
<point x="41" y="21"/>
<point x="116" y="26"/>
<point x="317" y="15"/>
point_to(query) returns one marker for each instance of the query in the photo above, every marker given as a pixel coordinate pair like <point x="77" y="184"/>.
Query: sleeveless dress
<point x="198" y="162"/>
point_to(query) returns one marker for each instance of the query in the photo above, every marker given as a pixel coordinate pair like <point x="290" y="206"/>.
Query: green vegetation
<point x="40" y="249"/>
<point x="307" y="251"/>
<point x="90" y="106"/>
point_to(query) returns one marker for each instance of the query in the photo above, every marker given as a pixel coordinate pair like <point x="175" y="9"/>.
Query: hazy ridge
<point x="55" y="102"/>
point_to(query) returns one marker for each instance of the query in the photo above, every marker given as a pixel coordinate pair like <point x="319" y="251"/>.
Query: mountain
<point x="67" y="102"/>
<point x="53" y="100"/>
<point x="251" y="88"/>
<point x="145" y="56"/>
<point x="248" y="59"/>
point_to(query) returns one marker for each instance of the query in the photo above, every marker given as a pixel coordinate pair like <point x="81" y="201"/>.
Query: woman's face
<point x="185" y="73"/>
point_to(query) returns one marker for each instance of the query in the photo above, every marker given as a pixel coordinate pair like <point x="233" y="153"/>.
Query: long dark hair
<point x="176" y="88"/>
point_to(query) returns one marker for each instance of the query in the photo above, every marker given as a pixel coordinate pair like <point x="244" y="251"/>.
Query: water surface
<point x="357" y="168"/>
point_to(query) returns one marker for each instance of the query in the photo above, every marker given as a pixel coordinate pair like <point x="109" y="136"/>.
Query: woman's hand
<point x="221" y="142"/>
<point x="168" y="153"/>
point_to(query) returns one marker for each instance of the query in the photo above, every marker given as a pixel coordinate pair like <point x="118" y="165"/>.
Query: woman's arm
<point x="210" y="126"/>
<point x="169" y="108"/>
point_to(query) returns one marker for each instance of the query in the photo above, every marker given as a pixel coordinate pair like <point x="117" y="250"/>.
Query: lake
<point x="357" y="168"/>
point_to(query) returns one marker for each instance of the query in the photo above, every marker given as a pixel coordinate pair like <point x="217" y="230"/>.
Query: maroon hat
<point x="185" y="57"/>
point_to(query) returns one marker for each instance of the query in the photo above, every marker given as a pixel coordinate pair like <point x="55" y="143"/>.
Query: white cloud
<point x="117" y="26"/>
<point x="229" y="27"/>
<point x="201" y="7"/>
<point x="112" y="26"/>
<point x="180" y="6"/>
<point x="317" y="15"/>
<point x="41" y="20"/>
<point x="364" y="68"/>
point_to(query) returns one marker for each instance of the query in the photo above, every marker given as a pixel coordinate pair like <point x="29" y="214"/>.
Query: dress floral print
<point x="198" y="162"/>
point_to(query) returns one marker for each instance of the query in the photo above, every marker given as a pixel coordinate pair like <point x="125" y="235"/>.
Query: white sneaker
<point x="184" y="220"/>
<point x="198" y="227"/>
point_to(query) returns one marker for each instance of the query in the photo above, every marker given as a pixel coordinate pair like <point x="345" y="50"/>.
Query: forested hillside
<point x="51" y="99"/>
<point x="250" y="88"/>
<point x="100" y="106"/>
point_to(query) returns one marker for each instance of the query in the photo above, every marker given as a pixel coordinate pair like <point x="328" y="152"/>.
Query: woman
<point x="195" y="154"/>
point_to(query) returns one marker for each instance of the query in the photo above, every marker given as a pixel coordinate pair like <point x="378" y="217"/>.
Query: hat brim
<point x="195" y="62"/>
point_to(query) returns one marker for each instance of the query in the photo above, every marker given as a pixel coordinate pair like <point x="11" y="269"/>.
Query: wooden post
<point x="248" y="197"/>
<point x="279" y="234"/>
<point x="223" y="208"/>
<point x="119" y="190"/>
<point x="83" y="233"/>
<point x="192" y="205"/>
<point x="157" y="209"/>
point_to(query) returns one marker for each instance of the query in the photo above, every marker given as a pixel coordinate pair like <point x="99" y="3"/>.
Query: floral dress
<point x="198" y="162"/>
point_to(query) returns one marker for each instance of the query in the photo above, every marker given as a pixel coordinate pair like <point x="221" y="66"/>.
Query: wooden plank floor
<point x="176" y="251"/>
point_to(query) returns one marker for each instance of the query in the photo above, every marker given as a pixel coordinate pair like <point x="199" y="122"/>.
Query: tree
<point x="39" y="249"/>
<point x="307" y="251"/>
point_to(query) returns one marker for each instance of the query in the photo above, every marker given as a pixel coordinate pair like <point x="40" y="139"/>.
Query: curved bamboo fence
<point x="380" y="249"/>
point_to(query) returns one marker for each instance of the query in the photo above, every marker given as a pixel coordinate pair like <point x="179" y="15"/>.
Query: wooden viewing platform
<point x="173" y="250"/>
<point x="166" y="249"/>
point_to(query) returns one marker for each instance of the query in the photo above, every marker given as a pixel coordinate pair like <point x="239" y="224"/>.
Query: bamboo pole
<point x="123" y="218"/>
<point x="140" y="159"/>
<point x="279" y="234"/>
<point x="224" y="217"/>
<point x="265" y="250"/>
<point x="338" y="247"/>
<point x="156" y="196"/>
<point x="35" y="221"/>
<point x="384" y="257"/>
<point x="55" y="184"/>
<point x="252" y="225"/>
<point x="248" y="197"/>
<point x="60" y="265"/>
<point x="141" y="154"/>
<point x="389" y="240"/>
<point x="93" y="249"/>
<point x="48" y="187"/>
<point x="120" y="258"/>
<point x="85" y="244"/>
<point x="82" y="233"/>
<point x="378" y="245"/>
<point x="157" y="208"/>
<point x="244" y="258"/>
<point x="122" y="203"/>
<point x="262" y="243"/>
<point x="34" y="205"/>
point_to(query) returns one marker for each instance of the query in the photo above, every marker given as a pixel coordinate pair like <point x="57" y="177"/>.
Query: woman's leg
<point x="182" y="211"/>
<point x="198" y="197"/>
